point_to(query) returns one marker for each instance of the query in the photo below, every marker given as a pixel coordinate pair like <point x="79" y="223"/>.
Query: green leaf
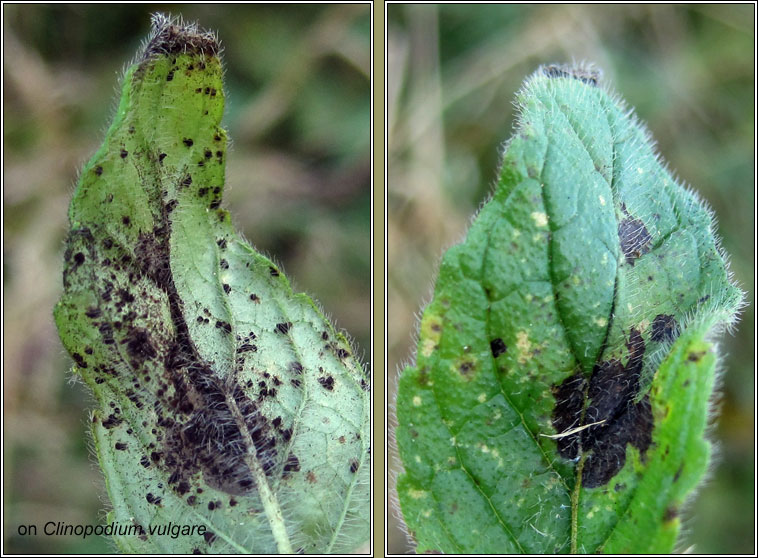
<point x="559" y="398"/>
<point x="226" y="405"/>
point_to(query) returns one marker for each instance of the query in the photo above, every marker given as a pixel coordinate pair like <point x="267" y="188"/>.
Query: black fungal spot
<point x="188" y="142"/>
<point x="79" y="359"/>
<point x="215" y="204"/>
<point x="78" y="259"/>
<point x="664" y="328"/>
<point x="202" y="191"/>
<point x="171" y="205"/>
<point x="98" y="170"/>
<point x="126" y="220"/>
<point x="694" y="356"/>
<point x="497" y="346"/>
<point x="291" y="465"/>
<point x="144" y="461"/>
<point x="111" y="421"/>
<point x="327" y="382"/>
<point x="121" y="446"/>
<point x="209" y="537"/>
<point x="466" y="367"/>
<point x="186" y="181"/>
<point x="342" y="353"/>
<point x="161" y="156"/>
<point x="227" y="327"/>
<point x="353" y="466"/>
<point x="634" y="239"/>
<point x="610" y="392"/>
<point x="227" y="288"/>
<point x="93" y="312"/>
<point x="139" y="345"/>
<point x="170" y="75"/>
<point x="124" y="153"/>
<point x="283" y="328"/>
<point x="273" y="271"/>
<point x="208" y="153"/>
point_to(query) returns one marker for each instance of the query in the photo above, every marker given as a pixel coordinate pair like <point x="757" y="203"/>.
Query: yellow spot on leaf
<point x="428" y="347"/>
<point x="417" y="494"/>
<point x="482" y="397"/>
<point x="601" y="322"/>
<point x="523" y="345"/>
<point x="602" y="200"/>
<point x="416" y="401"/>
<point x="540" y="218"/>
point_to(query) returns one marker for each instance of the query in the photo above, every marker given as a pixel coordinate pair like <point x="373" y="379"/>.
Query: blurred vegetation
<point x="298" y="186"/>
<point x="689" y="72"/>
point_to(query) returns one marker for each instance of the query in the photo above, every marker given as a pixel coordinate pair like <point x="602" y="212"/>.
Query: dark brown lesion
<point x="204" y="425"/>
<point x="634" y="239"/>
<point x="610" y="408"/>
<point x="567" y="413"/>
<point x="664" y="328"/>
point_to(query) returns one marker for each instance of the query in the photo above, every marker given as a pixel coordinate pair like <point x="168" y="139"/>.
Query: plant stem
<point x="270" y="504"/>
<point x="575" y="504"/>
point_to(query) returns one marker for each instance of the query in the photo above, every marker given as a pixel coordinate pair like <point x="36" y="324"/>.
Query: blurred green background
<point x="689" y="72"/>
<point x="298" y="187"/>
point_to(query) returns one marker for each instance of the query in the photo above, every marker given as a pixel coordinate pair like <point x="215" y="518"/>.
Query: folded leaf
<point x="226" y="403"/>
<point x="560" y="392"/>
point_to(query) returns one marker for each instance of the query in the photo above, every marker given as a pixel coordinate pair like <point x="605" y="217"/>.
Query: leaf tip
<point x="171" y="35"/>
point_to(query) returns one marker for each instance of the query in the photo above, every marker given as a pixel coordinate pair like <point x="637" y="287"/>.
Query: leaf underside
<point x="559" y="398"/>
<point x="223" y="399"/>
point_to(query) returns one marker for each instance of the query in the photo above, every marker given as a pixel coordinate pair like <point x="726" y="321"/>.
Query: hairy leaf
<point x="560" y="392"/>
<point x="225" y="401"/>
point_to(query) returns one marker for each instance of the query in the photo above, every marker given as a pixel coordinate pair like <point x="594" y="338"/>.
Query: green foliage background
<point x="298" y="187"/>
<point x="689" y="73"/>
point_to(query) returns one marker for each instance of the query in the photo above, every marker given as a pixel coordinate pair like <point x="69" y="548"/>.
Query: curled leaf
<point x="226" y="404"/>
